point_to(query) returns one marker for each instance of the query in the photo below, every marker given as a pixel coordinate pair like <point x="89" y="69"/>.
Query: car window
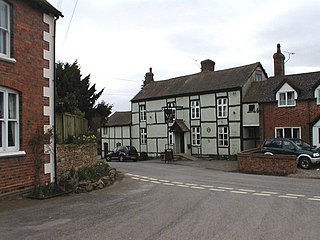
<point x="276" y="144"/>
<point x="288" y="145"/>
<point x="114" y="150"/>
<point x="267" y="143"/>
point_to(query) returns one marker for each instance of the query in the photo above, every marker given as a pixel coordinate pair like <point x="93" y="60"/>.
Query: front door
<point x="316" y="136"/>
<point x="182" y="142"/>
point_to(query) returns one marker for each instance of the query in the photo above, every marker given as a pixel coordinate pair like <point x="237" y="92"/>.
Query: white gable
<point x="286" y="88"/>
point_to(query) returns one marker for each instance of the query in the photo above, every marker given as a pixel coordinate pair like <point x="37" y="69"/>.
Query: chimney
<point x="278" y="61"/>
<point x="148" y="78"/>
<point x="207" y="65"/>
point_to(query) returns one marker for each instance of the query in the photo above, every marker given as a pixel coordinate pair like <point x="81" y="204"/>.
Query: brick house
<point x="27" y="62"/>
<point x="289" y="105"/>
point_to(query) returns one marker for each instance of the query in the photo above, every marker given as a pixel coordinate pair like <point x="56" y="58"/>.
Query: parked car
<point x="123" y="153"/>
<point x="306" y="155"/>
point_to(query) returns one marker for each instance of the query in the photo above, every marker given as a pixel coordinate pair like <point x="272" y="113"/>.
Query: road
<point x="157" y="201"/>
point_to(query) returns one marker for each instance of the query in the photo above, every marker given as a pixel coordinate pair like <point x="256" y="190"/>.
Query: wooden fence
<point x="69" y="125"/>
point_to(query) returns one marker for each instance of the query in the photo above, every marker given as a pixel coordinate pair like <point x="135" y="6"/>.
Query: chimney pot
<point x="148" y="78"/>
<point x="278" y="62"/>
<point x="207" y="65"/>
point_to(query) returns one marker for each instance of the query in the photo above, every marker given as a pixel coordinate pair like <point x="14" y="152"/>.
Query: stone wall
<point x="75" y="156"/>
<point x="254" y="161"/>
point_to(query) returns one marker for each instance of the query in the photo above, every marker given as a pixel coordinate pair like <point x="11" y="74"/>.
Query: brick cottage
<point x="27" y="61"/>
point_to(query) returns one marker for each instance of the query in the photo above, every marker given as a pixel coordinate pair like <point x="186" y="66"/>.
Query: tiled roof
<point x="203" y="82"/>
<point x="45" y="6"/>
<point x="119" y="119"/>
<point x="265" y="91"/>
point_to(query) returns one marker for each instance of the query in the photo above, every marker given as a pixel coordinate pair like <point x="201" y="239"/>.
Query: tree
<point x="75" y="95"/>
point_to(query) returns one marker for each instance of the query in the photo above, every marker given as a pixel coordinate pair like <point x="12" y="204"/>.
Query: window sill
<point x="12" y="154"/>
<point x="7" y="59"/>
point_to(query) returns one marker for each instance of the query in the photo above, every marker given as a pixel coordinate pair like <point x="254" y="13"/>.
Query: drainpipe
<point x="54" y="103"/>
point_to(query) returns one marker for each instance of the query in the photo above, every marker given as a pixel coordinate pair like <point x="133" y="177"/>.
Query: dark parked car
<point x="306" y="155"/>
<point x="123" y="153"/>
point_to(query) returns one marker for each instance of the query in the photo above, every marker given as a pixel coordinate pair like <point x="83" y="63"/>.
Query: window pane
<point x="296" y="133"/>
<point x="279" y="133"/>
<point x="1" y="106"/>
<point x="1" y="133"/>
<point x="290" y="98"/>
<point x="287" y="133"/>
<point x="282" y="99"/>
<point x="12" y="106"/>
<point x="11" y="134"/>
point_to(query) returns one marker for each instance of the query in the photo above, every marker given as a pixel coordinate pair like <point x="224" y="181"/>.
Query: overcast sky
<point x="117" y="41"/>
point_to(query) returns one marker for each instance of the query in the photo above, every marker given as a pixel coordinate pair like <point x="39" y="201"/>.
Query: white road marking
<point x="316" y="196"/>
<point x="314" y="199"/>
<point x="246" y="190"/>
<point x="206" y="186"/>
<point x="261" y="194"/>
<point x="128" y="174"/>
<point x="286" y="196"/>
<point x="225" y="188"/>
<point x="168" y="184"/>
<point x="165" y="181"/>
<point x="217" y="190"/>
<point x="185" y="186"/>
<point x="144" y="180"/>
<point x="191" y="184"/>
<point x="155" y="182"/>
<point x="135" y="178"/>
<point x="177" y="182"/>
<point x="239" y="192"/>
<point x="195" y="187"/>
<point x="270" y="193"/>
<point x="295" y="195"/>
<point x="153" y="179"/>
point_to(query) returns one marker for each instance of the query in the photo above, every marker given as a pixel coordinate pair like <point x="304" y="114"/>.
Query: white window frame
<point x="7" y="118"/>
<point x="5" y="30"/>
<point x="222" y="107"/>
<point x="143" y="113"/>
<point x="285" y="101"/>
<point x="196" y="136"/>
<point x="317" y="95"/>
<point x="143" y="136"/>
<point x="280" y="132"/>
<point x="223" y="136"/>
<point x="195" y="109"/>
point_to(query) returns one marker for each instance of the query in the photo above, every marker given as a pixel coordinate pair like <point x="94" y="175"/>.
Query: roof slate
<point x="209" y="81"/>
<point x="119" y="119"/>
<point x="265" y="91"/>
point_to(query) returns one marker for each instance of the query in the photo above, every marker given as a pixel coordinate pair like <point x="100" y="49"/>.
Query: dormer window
<point x="258" y="75"/>
<point x="287" y="99"/>
<point x="286" y="96"/>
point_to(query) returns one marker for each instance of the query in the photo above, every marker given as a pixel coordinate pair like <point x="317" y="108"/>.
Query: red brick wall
<point x="25" y="76"/>
<point x="272" y="116"/>
<point x="256" y="162"/>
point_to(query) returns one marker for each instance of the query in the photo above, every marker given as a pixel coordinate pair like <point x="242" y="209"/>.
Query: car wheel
<point x="305" y="163"/>
<point x="108" y="158"/>
<point x="121" y="158"/>
<point x="268" y="153"/>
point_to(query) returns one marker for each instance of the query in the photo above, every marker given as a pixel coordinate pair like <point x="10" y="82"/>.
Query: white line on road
<point x="239" y="192"/>
<point x="225" y="188"/>
<point x="195" y="187"/>
<point x="286" y="196"/>
<point x="314" y="199"/>
<point x="270" y="193"/>
<point x="165" y="181"/>
<point x="191" y="184"/>
<point x="261" y="194"/>
<point x="153" y="179"/>
<point x="217" y="190"/>
<point x="316" y="196"/>
<point x="185" y="186"/>
<point x="295" y="195"/>
<point x="135" y="178"/>
<point x="168" y="184"/>
<point x="206" y="186"/>
<point x="246" y="190"/>
<point x="177" y="182"/>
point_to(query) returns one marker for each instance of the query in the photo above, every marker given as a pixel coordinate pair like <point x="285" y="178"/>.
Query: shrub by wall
<point x="253" y="161"/>
<point x="75" y="156"/>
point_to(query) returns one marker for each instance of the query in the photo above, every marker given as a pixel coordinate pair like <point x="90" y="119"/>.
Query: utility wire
<point x="74" y="9"/>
